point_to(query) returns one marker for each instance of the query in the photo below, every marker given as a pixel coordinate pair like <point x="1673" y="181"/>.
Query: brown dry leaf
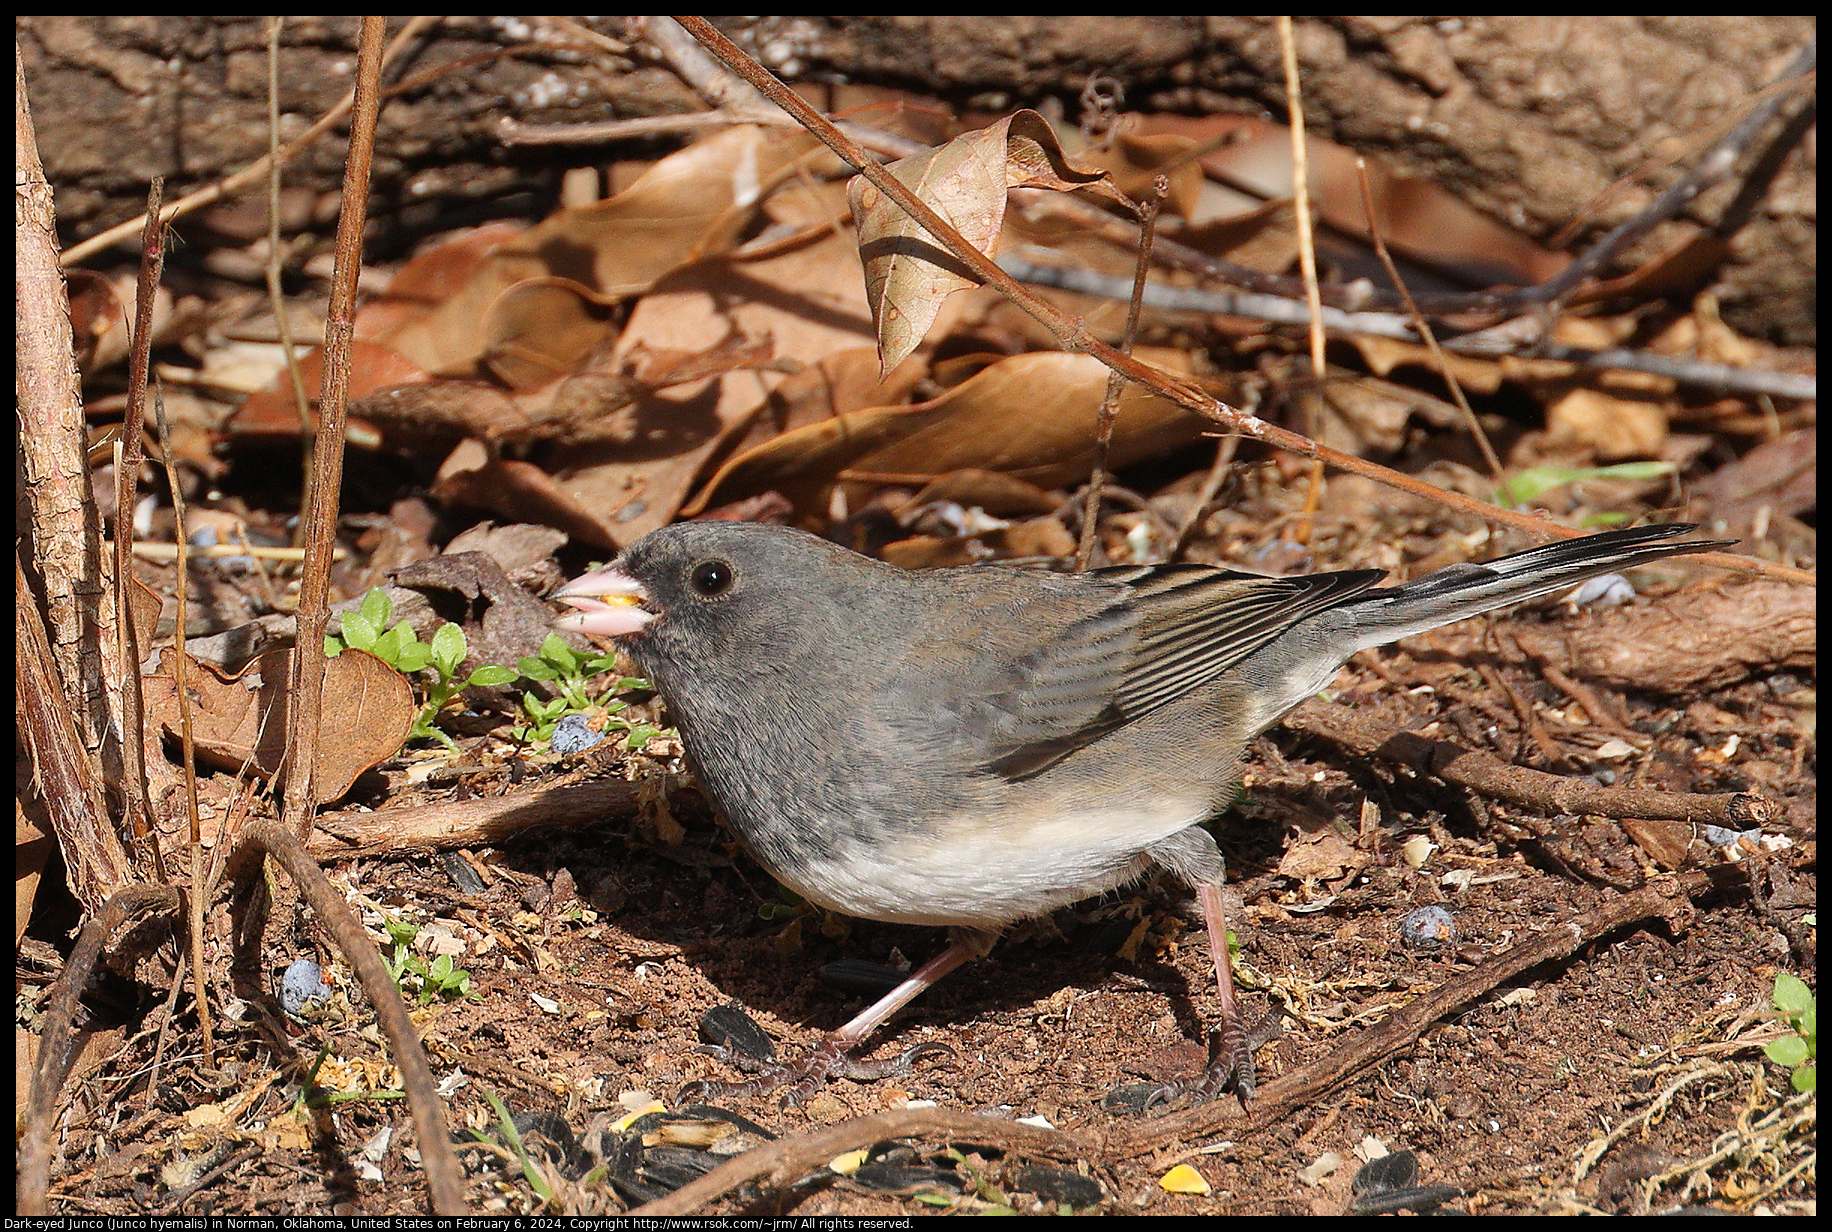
<point x="1778" y="476"/>
<point x="240" y="720"/>
<point x="1001" y="495"/>
<point x="689" y="205"/>
<point x="834" y="385"/>
<point x="1136" y="161"/>
<point x="1382" y="355"/>
<point x="1371" y="416"/>
<point x="431" y="277"/>
<point x="1664" y="842"/>
<point x="95" y="312"/>
<point x="460" y="314"/>
<point x="144" y="606"/>
<point x="539" y="330"/>
<point x="1032" y="416"/>
<point x="1702" y="334"/>
<point x="1265" y="238"/>
<point x="1321" y="855"/>
<point x="809" y="301"/>
<point x="522" y="492"/>
<point x="907" y="272"/>
<point x="435" y="416"/>
<point x="273" y="412"/>
<point x="1417" y="217"/>
<point x="1674" y="272"/>
<point x="1608" y="428"/>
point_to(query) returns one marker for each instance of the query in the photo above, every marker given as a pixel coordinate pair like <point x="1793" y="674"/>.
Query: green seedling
<point x="1799" y="1052"/>
<point x="570" y="674"/>
<point x="400" y="647"/>
<point x="512" y="1138"/>
<point x="416" y="977"/>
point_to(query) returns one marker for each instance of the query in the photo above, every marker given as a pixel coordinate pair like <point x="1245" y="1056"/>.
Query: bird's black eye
<point x="712" y="577"/>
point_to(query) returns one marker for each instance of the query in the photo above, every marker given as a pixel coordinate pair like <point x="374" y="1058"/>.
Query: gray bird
<point x="974" y="746"/>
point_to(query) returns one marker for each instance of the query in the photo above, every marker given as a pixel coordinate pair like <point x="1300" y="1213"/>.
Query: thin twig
<point x="180" y="667"/>
<point x="130" y="448"/>
<point x="516" y="132"/>
<point x="222" y="551"/>
<point x="1300" y="195"/>
<point x="1494" y="344"/>
<point x="1422" y="325"/>
<point x="282" y="325"/>
<point x="711" y="80"/>
<point x="1307" y="264"/>
<point x="1110" y="404"/>
<point x="306" y="689"/>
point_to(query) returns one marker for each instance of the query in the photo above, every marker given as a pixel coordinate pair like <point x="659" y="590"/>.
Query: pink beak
<point x="609" y="602"/>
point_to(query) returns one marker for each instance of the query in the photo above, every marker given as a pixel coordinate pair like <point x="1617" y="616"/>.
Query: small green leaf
<point x="333" y="646"/>
<point x="1792" y="996"/>
<point x="412" y="657"/>
<point x="359" y="631"/>
<point x="1806" y="1078"/>
<point x="376" y="607"/>
<point x="1536" y="481"/>
<point x="562" y="656"/>
<point x="388" y="646"/>
<point x="448" y="648"/>
<point x="1789" y="1050"/>
<point x="536" y="669"/>
<point x="489" y="674"/>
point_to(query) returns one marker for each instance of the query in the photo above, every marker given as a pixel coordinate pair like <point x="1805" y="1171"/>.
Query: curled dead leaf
<point x="907" y="271"/>
<point x="240" y="721"/>
<point x="1031" y="416"/>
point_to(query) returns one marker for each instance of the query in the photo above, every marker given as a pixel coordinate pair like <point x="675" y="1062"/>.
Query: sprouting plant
<point x="512" y="1138"/>
<point x="400" y="647"/>
<point x="1799" y="1052"/>
<point x="415" y="976"/>
<point x="570" y="674"/>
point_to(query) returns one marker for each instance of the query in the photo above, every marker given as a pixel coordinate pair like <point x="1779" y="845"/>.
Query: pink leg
<point x="1230" y="1052"/>
<point x="1230" y="1057"/>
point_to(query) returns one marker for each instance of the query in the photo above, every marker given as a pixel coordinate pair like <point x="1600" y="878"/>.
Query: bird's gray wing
<point x="1161" y="631"/>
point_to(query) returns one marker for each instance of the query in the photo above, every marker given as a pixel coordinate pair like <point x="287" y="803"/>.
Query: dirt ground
<point x="595" y="953"/>
<point x="1618" y="1065"/>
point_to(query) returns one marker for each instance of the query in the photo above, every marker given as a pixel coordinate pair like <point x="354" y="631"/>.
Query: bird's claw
<point x="1230" y="1067"/>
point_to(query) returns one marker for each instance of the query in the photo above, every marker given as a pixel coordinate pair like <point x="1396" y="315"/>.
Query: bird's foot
<point x="828" y="1059"/>
<point x="1230" y="1067"/>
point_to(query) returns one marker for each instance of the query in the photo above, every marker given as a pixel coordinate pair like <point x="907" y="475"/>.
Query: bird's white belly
<point x="966" y="874"/>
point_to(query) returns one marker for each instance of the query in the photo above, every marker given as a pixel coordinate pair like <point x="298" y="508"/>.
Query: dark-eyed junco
<point x="973" y="746"/>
